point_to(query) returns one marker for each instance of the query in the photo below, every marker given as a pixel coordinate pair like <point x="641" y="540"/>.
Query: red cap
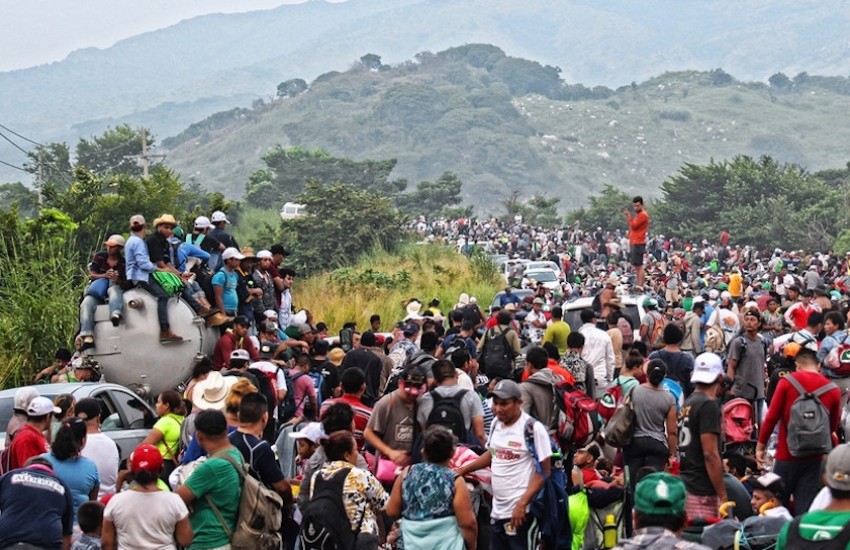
<point x="146" y="457"/>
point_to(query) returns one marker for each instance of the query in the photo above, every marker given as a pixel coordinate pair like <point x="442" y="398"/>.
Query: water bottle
<point x="609" y="532"/>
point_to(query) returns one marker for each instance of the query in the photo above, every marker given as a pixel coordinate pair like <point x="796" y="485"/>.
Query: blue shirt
<point x="80" y="474"/>
<point x="37" y="508"/>
<point x="139" y="265"/>
<point x="228" y="280"/>
<point x="186" y="251"/>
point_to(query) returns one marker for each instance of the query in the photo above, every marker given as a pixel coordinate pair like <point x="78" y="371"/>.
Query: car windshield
<point x="6" y="404"/>
<point x="542" y="276"/>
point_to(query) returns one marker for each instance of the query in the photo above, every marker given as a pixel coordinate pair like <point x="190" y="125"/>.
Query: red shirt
<point x="555" y="367"/>
<point x="638" y="226"/>
<point x="28" y="442"/>
<point x="362" y="413"/>
<point x="225" y="346"/>
<point x="780" y="409"/>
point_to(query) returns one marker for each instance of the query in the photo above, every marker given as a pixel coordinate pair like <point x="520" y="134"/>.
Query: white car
<point x="292" y="210"/>
<point x="544" y="264"/>
<point x="632" y="308"/>
<point x="547" y="277"/>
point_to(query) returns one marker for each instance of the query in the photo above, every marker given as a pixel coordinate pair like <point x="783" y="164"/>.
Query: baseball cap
<point x="312" y="431"/>
<point x="138" y="219"/>
<point x="219" y="216"/>
<point x="240" y="355"/>
<point x="231" y="252"/>
<point x="538" y="301"/>
<point x="146" y="458"/>
<point x="23" y="398"/>
<point x="279" y="249"/>
<point x="506" y="389"/>
<point x="115" y="240"/>
<point x="770" y="482"/>
<point x="264" y="255"/>
<point x="266" y="350"/>
<point x="660" y="494"/>
<point x="707" y="367"/>
<point x="414" y="379"/>
<point x="202" y="222"/>
<point x="41" y="406"/>
<point x="838" y="468"/>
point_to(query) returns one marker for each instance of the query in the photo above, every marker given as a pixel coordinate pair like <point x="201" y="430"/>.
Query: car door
<point x="127" y="417"/>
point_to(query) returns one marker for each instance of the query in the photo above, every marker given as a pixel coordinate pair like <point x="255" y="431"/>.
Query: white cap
<point x="202" y="222"/>
<point x="707" y="368"/>
<point x="219" y="216"/>
<point x="240" y="355"/>
<point x="231" y="252"/>
<point x="264" y="255"/>
<point x="23" y="397"/>
<point x="41" y="406"/>
<point x="314" y="431"/>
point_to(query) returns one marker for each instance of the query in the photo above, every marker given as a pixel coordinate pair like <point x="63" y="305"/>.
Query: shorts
<point x="702" y="507"/>
<point x="636" y="252"/>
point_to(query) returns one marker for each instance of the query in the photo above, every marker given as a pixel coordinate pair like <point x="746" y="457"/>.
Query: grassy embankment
<point x="382" y="283"/>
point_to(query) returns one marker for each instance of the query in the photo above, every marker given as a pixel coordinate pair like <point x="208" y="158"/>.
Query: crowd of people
<point x="444" y="431"/>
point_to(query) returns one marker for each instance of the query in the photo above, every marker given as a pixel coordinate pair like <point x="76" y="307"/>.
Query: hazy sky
<point x="33" y="32"/>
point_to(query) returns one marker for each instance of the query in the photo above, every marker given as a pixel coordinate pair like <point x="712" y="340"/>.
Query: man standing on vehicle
<point x="598" y="349"/>
<point x="219" y="221"/>
<point x="515" y="477"/>
<point x="638" y="227"/>
<point x="284" y="316"/>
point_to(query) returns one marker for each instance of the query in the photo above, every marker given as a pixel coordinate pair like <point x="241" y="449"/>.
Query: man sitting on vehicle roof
<point x="108" y="280"/>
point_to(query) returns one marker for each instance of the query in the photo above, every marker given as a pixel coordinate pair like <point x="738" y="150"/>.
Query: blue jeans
<point x="525" y="538"/>
<point x="99" y="292"/>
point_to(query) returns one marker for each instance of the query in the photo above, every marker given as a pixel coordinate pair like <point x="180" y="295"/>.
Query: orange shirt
<point x="638" y="226"/>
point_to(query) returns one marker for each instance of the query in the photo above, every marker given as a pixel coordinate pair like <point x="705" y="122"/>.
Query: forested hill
<point x="170" y="78"/>
<point x="506" y="124"/>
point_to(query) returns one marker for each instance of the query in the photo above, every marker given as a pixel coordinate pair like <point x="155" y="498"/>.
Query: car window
<point x="6" y="411"/>
<point x="127" y="410"/>
<point x="542" y="276"/>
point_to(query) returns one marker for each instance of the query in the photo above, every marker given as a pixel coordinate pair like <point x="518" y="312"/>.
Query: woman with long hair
<point x="165" y="434"/>
<point x="65" y="402"/>
<point x="78" y="472"/>
<point x="655" y="439"/>
<point x="144" y="516"/>
<point x="432" y="500"/>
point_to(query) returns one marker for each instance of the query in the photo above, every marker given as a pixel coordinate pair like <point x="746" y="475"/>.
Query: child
<point x="90" y="518"/>
<point x="307" y="441"/>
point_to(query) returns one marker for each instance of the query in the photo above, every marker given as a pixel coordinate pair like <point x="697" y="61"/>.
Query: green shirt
<point x="169" y="426"/>
<point x="815" y="526"/>
<point x="557" y="333"/>
<point x="219" y="479"/>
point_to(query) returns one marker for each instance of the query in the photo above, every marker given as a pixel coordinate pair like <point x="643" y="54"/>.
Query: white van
<point x="292" y="210"/>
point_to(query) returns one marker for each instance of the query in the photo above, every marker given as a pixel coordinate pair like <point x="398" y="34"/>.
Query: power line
<point x="25" y="138"/>
<point x="15" y="145"/>
<point x="14" y="166"/>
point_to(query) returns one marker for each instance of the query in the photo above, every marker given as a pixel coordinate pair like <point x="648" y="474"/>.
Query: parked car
<point x="513" y="266"/>
<point x="632" y="308"/>
<point x="546" y="277"/>
<point x="545" y="264"/>
<point x="126" y="418"/>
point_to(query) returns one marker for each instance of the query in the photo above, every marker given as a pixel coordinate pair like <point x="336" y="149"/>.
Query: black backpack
<point x="457" y="343"/>
<point x="447" y="412"/>
<point x="496" y="355"/>
<point x="288" y="405"/>
<point x="324" y="523"/>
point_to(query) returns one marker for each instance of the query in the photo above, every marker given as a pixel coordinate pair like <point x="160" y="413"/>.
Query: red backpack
<point x="579" y="419"/>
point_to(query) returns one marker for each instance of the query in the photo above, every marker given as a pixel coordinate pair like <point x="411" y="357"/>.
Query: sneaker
<point x="166" y="337"/>
<point x="116" y="318"/>
<point x="207" y="311"/>
<point x="88" y="343"/>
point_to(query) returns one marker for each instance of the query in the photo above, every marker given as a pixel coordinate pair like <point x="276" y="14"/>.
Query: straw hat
<point x="248" y="252"/>
<point x="165" y="219"/>
<point x="413" y="308"/>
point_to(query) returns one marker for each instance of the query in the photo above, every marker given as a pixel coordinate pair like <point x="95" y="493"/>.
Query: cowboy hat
<point x="165" y="219"/>
<point x="211" y="392"/>
<point x="413" y="308"/>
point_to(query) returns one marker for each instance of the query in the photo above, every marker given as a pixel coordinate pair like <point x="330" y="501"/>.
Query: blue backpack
<point x="551" y="505"/>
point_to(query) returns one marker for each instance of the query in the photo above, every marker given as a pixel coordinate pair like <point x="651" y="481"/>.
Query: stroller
<point x="738" y="426"/>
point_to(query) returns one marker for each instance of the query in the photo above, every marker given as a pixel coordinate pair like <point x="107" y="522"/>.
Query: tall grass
<point x="382" y="283"/>
<point x="40" y="284"/>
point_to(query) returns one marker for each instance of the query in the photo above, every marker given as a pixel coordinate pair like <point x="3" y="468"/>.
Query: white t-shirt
<point x="103" y="451"/>
<point x="145" y="520"/>
<point x="464" y="381"/>
<point x="268" y="366"/>
<point x="513" y="465"/>
<point x="729" y="322"/>
<point x="535" y="334"/>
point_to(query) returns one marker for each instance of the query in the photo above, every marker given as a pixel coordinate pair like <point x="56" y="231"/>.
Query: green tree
<point x="432" y="198"/>
<point x="291" y="88"/>
<point x="289" y="169"/>
<point x="17" y="194"/>
<point x="107" y="153"/>
<point x="371" y="61"/>
<point x="330" y="236"/>
<point x="779" y="81"/>
<point x="51" y="167"/>
<point x="540" y="211"/>
<point x="605" y="210"/>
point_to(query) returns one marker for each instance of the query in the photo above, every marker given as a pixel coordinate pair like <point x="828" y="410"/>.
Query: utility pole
<point x="144" y="160"/>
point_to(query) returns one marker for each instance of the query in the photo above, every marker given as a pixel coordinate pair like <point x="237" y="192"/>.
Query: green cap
<point x="660" y="494"/>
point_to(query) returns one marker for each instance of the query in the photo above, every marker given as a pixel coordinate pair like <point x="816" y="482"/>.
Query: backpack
<point x="496" y="355"/>
<point x="579" y="423"/>
<point x="808" y="429"/>
<point x="838" y="359"/>
<point x="259" y="517"/>
<point x="267" y="385"/>
<point x="550" y="505"/>
<point x="324" y="522"/>
<point x="626" y="330"/>
<point x="715" y="340"/>
<point x="795" y="540"/>
<point x="447" y="412"/>
<point x="457" y="343"/>
<point x="288" y="406"/>
<point x="610" y="400"/>
<point x="656" y="338"/>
